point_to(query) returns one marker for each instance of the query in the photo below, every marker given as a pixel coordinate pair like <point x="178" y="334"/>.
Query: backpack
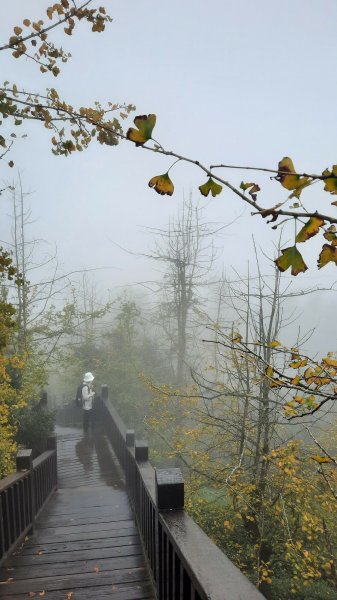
<point x="78" y="397"/>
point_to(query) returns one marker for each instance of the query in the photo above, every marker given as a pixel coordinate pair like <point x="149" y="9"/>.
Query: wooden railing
<point x="23" y="494"/>
<point x="184" y="562"/>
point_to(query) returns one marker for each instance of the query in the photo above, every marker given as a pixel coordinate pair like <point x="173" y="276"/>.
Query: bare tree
<point x="186" y="253"/>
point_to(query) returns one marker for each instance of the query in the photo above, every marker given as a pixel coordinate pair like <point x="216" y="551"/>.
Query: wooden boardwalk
<point x="85" y="544"/>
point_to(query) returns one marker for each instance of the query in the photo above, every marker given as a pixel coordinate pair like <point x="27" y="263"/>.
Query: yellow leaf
<point x="237" y="338"/>
<point x="328" y="254"/>
<point x="162" y="184"/>
<point x="275" y="344"/>
<point x="330" y="182"/>
<point x="310" y="229"/>
<point x="276" y="383"/>
<point x="296" y="380"/>
<point x="143" y="133"/>
<point x="291" y="257"/>
<point x="321" y="459"/>
<point x="269" y="371"/>
<point x="291" y="181"/>
<point x="308" y="373"/>
<point x="296" y="364"/>
<point x="330" y="362"/>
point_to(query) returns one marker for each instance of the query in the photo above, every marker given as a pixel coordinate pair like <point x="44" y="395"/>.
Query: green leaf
<point x="291" y="257"/>
<point x="252" y="187"/>
<point x="143" y="133"/>
<point x="210" y="186"/>
<point x="310" y="229"/>
<point x="162" y="184"/>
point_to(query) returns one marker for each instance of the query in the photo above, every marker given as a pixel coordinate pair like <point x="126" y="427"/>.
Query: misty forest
<point x="202" y="297"/>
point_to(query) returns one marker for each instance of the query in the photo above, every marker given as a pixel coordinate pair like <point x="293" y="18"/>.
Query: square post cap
<point x="169" y="489"/>
<point x="141" y="451"/>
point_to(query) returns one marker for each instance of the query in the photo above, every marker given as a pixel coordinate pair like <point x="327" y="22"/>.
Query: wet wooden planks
<point x="85" y="544"/>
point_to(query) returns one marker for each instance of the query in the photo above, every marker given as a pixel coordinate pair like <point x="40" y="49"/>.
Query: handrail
<point x="185" y="564"/>
<point x="24" y="493"/>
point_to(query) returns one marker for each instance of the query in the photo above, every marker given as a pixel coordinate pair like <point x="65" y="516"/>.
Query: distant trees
<point x="253" y="484"/>
<point x="186" y="252"/>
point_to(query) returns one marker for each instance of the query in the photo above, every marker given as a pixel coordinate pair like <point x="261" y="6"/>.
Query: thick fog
<point x="231" y="83"/>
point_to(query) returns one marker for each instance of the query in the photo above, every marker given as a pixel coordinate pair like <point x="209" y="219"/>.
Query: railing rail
<point x="23" y="494"/>
<point x="184" y="562"/>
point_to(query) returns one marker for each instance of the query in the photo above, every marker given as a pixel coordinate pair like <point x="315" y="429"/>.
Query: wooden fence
<point x="184" y="562"/>
<point x="23" y="494"/>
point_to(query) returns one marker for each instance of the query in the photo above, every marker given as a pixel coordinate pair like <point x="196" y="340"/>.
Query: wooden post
<point x="141" y="451"/>
<point x="52" y="445"/>
<point x="24" y="462"/>
<point x="169" y="489"/>
<point x="104" y="391"/>
<point x="52" y="442"/>
<point x="130" y="438"/>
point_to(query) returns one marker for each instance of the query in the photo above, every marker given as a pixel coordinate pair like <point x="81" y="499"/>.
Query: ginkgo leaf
<point x="210" y="186"/>
<point x="319" y="381"/>
<point x="321" y="459"/>
<point x="330" y="362"/>
<point x="308" y="373"/>
<point x="269" y="371"/>
<point x="162" y="184"/>
<point x="291" y="257"/>
<point x="296" y="364"/>
<point x="331" y="237"/>
<point x="143" y="133"/>
<point x="328" y="254"/>
<point x="275" y="344"/>
<point x="276" y="383"/>
<point x="310" y="229"/>
<point x="296" y="380"/>
<point x="331" y="182"/>
<point x="237" y="338"/>
<point x="292" y="181"/>
<point x="252" y="187"/>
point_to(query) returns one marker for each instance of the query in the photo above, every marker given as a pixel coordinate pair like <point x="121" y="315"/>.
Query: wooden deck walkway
<point x="85" y="543"/>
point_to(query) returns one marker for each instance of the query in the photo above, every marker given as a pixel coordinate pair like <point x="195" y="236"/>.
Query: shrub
<point x="34" y="425"/>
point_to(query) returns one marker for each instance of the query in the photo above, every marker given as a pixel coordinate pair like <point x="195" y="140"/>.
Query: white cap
<point x="88" y="377"/>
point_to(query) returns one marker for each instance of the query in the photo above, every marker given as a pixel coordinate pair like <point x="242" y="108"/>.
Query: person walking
<point x="88" y="396"/>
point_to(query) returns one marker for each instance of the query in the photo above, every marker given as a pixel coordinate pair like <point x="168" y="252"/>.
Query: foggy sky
<point x="236" y="82"/>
